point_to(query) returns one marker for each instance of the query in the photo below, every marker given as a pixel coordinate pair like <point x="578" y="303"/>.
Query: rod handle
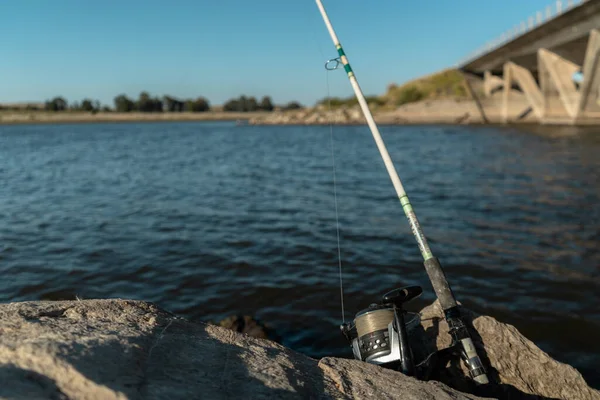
<point x="440" y="283"/>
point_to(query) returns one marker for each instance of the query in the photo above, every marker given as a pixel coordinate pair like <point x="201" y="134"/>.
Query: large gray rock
<point x="519" y="369"/>
<point x="121" y="349"/>
<point x="359" y="380"/>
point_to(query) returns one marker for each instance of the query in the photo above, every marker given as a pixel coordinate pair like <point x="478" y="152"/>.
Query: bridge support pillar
<point x="514" y="73"/>
<point x="506" y="95"/>
<point x="491" y="83"/>
<point x="589" y="100"/>
<point x="561" y="97"/>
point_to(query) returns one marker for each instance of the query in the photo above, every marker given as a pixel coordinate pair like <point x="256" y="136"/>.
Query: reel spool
<point x="378" y="333"/>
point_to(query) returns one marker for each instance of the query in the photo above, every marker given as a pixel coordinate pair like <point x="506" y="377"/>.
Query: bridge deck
<point x="566" y="35"/>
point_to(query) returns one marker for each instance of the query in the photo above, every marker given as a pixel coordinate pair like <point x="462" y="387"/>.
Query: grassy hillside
<point x="445" y="84"/>
<point x="448" y="83"/>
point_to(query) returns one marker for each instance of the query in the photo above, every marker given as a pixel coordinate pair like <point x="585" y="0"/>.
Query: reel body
<point x="378" y="334"/>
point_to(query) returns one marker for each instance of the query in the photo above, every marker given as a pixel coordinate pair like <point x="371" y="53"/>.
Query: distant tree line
<point x="146" y="103"/>
<point x="335" y="102"/>
<point x="22" y="106"/>
<point x="292" y="105"/>
<point x="60" y="104"/>
<point x="244" y="104"/>
<point x="56" y="104"/>
<point x="248" y="104"/>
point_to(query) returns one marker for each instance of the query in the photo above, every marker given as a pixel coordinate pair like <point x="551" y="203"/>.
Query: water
<point x="210" y="219"/>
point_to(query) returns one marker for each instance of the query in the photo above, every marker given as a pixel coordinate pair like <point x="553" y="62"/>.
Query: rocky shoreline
<point x="125" y="349"/>
<point x="441" y="111"/>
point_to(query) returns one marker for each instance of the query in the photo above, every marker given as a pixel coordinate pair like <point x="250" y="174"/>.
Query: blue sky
<point x="224" y="48"/>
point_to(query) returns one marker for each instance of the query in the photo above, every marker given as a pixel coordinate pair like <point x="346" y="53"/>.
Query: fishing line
<point x="316" y="24"/>
<point x="337" y="218"/>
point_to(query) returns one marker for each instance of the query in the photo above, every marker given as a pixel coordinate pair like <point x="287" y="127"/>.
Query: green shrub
<point x="409" y="94"/>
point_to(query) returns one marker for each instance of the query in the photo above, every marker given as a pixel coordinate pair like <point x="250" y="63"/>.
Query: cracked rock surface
<point x="124" y="349"/>
<point x="517" y="367"/>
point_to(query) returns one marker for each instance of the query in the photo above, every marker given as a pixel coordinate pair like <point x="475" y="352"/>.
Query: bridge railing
<point x="557" y="8"/>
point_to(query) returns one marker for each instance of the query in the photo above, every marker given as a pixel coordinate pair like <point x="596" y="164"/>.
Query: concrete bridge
<point x="546" y="68"/>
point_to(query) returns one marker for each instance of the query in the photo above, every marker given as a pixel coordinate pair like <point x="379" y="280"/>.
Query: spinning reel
<point x="379" y="334"/>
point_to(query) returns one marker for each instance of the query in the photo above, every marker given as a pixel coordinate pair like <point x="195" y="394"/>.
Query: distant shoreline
<point x="427" y="112"/>
<point x="42" y="117"/>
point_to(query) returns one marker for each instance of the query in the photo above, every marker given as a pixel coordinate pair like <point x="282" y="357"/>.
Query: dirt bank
<point x="42" y="117"/>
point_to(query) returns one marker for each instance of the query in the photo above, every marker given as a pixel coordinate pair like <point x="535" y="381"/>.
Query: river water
<point x="212" y="219"/>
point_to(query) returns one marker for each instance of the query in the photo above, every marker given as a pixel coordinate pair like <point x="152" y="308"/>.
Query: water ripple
<point x="210" y="219"/>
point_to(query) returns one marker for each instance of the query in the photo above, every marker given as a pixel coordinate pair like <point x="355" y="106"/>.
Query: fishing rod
<point x="372" y="339"/>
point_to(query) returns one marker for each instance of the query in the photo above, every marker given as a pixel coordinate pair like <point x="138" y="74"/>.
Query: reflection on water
<point x="210" y="219"/>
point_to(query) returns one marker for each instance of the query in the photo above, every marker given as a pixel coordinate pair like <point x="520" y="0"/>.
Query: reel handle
<point x="407" y="364"/>
<point x="402" y="295"/>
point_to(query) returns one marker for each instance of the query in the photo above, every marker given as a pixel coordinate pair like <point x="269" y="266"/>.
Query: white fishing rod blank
<point x="434" y="269"/>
